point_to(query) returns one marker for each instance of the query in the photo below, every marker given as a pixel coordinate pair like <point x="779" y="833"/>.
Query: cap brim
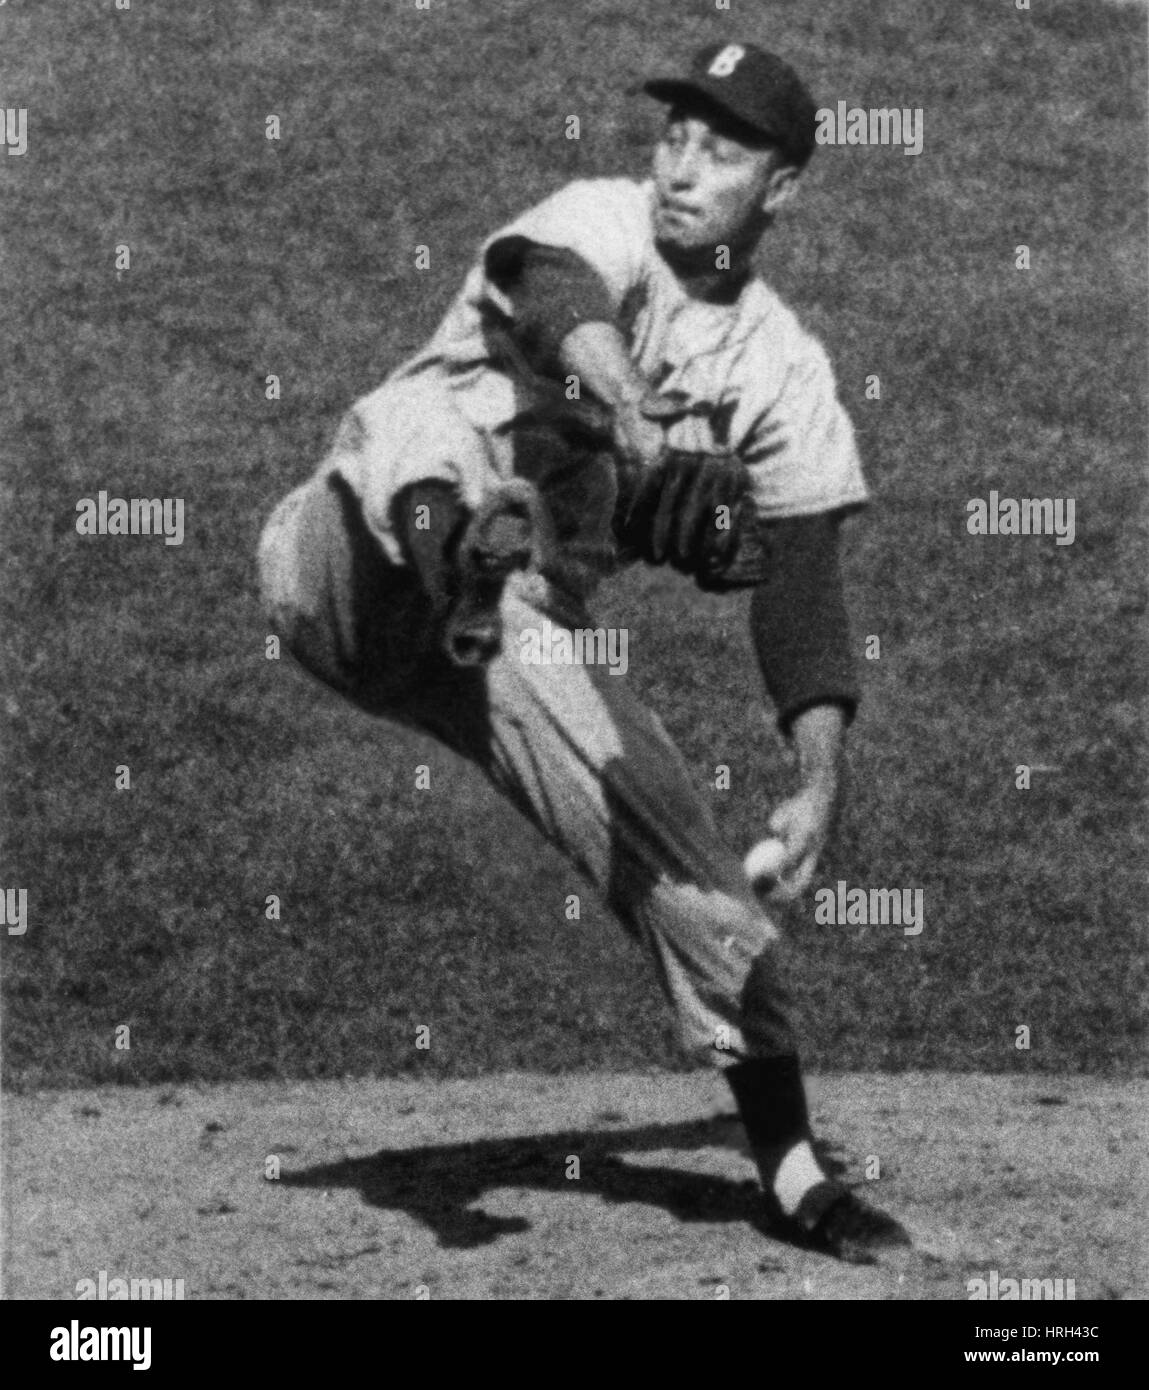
<point x="672" y="89"/>
<point x="681" y="91"/>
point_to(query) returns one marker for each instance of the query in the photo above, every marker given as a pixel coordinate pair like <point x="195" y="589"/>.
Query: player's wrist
<point x="630" y="398"/>
<point x="820" y="788"/>
<point x="818" y="733"/>
<point x="597" y="354"/>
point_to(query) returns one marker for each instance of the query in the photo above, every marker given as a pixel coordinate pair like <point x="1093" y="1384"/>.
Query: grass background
<point x="296" y="258"/>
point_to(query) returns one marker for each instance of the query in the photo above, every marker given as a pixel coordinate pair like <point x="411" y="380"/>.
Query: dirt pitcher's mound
<point x="582" y="1186"/>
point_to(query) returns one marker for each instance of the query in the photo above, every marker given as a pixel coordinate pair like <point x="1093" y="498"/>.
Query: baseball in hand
<point x="764" y="863"/>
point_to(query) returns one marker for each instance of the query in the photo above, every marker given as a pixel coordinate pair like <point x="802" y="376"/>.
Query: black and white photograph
<point x="574" y="659"/>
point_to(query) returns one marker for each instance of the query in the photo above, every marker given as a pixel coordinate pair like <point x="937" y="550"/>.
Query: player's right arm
<point x="559" y="276"/>
<point x="598" y="355"/>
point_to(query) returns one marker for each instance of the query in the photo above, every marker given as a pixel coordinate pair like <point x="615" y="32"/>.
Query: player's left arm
<point x="807" y="478"/>
<point x="801" y="635"/>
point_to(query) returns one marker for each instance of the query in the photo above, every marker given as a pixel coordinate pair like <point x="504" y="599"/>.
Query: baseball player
<point x="612" y="384"/>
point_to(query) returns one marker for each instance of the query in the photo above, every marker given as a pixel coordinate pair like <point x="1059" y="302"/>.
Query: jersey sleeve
<point x="799" y="623"/>
<point x="801" y="453"/>
<point x="604" y="222"/>
<point x="551" y="291"/>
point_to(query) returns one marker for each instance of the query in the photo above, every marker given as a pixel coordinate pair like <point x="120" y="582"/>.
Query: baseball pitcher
<point x="614" y="384"/>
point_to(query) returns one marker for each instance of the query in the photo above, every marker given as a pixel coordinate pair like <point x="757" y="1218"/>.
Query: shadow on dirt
<point x="436" y="1184"/>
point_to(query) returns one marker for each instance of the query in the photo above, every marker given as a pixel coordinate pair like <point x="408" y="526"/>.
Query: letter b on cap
<point x="726" y="61"/>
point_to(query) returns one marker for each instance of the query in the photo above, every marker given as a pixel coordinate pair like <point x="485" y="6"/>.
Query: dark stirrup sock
<point x="772" y="1102"/>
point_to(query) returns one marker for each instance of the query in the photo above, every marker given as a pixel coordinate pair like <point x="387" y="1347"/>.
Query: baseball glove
<point x="694" y="512"/>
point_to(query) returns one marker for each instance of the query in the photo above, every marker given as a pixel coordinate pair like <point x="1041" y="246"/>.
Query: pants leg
<point x="597" y="773"/>
<point x="348" y="615"/>
<point x="570" y="745"/>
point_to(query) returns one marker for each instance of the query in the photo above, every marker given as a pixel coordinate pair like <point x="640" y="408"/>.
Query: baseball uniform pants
<point x="570" y="745"/>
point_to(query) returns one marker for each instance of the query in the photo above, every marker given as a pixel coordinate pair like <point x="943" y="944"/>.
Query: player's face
<point x="711" y="189"/>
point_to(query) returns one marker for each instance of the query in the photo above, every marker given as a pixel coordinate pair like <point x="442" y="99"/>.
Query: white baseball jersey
<point x="754" y="380"/>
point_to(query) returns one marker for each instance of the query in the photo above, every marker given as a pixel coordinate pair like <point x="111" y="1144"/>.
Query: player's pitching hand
<point x="802" y="822"/>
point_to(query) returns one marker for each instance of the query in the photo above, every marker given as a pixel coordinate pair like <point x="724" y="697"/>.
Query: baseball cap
<point x="758" y="89"/>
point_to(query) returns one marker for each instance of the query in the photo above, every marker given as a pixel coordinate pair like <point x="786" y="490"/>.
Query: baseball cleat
<point x="498" y="541"/>
<point x="833" y="1220"/>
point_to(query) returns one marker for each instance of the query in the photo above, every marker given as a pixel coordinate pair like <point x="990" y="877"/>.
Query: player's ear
<point x="780" y="189"/>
